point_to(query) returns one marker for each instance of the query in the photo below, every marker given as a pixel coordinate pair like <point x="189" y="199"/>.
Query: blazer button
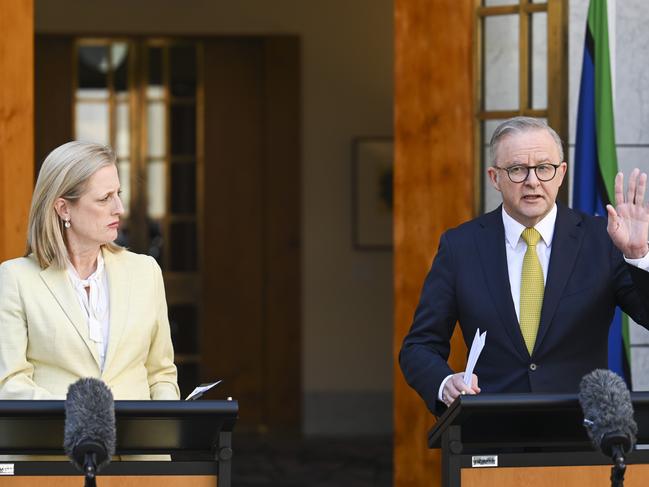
<point x="532" y="367"/>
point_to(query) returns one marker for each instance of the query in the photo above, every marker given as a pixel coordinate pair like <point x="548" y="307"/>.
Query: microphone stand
<point x="619" y="467"/>
<point x="90" y="469"/>
<point x="86" y="456"/>
<point x="614" y="445"/>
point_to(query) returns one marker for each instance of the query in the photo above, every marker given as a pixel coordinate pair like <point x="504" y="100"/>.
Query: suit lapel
<point x="59" y="285"/>
<point x="490" y="241"/>
<point x="566" y="242"/>
<point x="119" y="285"/>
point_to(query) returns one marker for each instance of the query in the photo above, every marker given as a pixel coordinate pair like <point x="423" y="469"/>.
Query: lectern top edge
<point x="36" y="427"/>
<point x="125" y="408"/>
<point x="465" y="405"/>
<point x="495" y="416"/>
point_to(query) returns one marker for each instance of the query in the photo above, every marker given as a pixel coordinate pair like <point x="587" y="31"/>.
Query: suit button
<point x="532" y="367"/>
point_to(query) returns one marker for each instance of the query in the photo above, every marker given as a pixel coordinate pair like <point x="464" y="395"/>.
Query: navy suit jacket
<point x="469" y="283"/>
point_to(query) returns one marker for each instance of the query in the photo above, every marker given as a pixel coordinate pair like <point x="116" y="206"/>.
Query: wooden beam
<point x="434" y="117"/>
<point x="16" y="123"/>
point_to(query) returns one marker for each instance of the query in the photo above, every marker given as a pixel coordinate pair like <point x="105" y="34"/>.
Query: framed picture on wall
<point x="372" y="202"/>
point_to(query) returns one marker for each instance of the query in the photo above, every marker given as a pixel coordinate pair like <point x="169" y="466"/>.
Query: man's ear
<point x="561" y="171"/>
<point x="61" y="207"/>
<point x="492" y="173"/>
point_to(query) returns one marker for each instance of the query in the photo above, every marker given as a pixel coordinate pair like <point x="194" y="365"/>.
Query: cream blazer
<point x="44" y="342"/>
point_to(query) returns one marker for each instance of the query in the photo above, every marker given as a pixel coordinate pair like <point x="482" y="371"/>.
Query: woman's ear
<point x="61" y="208"/>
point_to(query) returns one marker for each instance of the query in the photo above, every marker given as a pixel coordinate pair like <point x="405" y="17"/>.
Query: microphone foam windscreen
<point x="606" y="403"/>
<point x="89" y="416"/>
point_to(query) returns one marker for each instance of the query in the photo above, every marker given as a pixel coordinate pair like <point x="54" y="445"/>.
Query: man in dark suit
<point x="541" y="279"/>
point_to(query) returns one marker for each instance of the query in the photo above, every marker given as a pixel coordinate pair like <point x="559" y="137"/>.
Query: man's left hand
<point x="628" y="222"/>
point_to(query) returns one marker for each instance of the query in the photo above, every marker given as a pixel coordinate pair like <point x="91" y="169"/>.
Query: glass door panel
<point x="142" y="97"/>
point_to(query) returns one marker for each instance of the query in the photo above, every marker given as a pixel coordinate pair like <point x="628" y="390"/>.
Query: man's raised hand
<point x="628" y="222"/>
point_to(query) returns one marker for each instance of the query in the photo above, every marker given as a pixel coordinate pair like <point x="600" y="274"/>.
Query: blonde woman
<point x="77" y="305"/>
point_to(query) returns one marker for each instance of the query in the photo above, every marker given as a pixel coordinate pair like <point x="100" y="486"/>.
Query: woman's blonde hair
<point x="64" y="174"/>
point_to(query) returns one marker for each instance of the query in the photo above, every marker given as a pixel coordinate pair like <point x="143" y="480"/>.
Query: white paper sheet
<point x="474" y="353"/>
<point x="200" y="390"/>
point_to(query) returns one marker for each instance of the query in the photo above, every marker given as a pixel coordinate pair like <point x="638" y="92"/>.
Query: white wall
<point x="347" y="66"/>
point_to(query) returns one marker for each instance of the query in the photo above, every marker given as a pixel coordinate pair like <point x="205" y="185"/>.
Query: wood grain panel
<point x="433" y="187"/>
<point x="282" y="233"/>
<point x="232" y="339"/>
<point x="592" y="476"/>
<point x="112" y="481"/>
<point x="16" y="123"/>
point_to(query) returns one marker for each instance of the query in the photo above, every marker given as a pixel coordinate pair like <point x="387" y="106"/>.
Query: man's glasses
<point x="518" y="174"/>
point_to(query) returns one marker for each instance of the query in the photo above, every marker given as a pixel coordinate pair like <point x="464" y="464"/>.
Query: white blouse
<point x="95" y="303"/>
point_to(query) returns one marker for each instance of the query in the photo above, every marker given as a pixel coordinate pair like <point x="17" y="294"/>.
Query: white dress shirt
<point x="516" y="247"/>
<point x="94" y="298"/>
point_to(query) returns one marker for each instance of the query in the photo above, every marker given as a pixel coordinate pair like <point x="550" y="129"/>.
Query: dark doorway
<point x="221" y="190"/>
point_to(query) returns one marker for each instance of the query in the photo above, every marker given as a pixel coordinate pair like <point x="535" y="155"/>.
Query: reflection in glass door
<point x="144" y="99"/>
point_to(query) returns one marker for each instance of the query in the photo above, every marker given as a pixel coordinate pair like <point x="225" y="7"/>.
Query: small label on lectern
<point x="6" y="468"/>
<point x="484" y="461"/>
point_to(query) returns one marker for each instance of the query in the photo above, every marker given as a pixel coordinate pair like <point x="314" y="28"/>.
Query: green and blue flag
<point x="595" y="163"/>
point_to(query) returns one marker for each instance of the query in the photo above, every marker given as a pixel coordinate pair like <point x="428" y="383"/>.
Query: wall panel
<point x="251" y="336"/>
<point x="281" y="171"/>
<point x="16" y="123"/>
<point x="433" y="187"/>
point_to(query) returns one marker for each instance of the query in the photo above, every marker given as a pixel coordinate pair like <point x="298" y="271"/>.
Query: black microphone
<point x="608" y="412"/>
<point x="89" y="435"/>
<point x="608" y="417"/>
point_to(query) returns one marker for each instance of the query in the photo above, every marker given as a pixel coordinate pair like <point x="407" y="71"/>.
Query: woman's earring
<point x="67" y="223"/>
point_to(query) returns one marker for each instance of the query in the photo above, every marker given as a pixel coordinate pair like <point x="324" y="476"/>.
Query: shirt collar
<point x="95" y="276"/>
<point x="545" y="227"/>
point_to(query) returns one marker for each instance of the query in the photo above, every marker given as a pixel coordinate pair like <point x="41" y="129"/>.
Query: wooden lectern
<point x="533" y="440"/>
<point x="197" y="434"/>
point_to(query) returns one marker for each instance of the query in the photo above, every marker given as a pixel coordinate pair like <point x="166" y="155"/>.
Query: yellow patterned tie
<point x="532" y="287"/>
